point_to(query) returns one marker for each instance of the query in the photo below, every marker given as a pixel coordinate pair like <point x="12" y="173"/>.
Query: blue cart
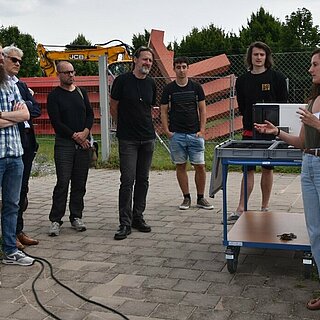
<point x="254" y="229"/>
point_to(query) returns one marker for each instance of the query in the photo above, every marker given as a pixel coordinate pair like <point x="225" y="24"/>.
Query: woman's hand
<point x="308" y="118"/>
<point x="267" y="128"/>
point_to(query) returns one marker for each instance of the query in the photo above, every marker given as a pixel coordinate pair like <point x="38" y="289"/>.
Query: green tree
<point x="299" y="33"/>
<point x="209" y="41"/>
<point x="139" y="39"/>
<point x="262" y="27"/>
<point x="298" y="38"/>
<point x="12" y="36"/>
<point x="84" y="68"/>
<point x="234" y="44"/>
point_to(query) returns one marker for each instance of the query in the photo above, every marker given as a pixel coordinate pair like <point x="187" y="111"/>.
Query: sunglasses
<point x="14" y="60"/>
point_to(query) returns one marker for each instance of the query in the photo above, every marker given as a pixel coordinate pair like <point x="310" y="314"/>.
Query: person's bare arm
<point x="5" y="123"/>
<point x="269" y="128"/>
<point x="164" y="120"/>
<point x="203" y="118"/>
<point x="20" y="113"/>
<point x="114" y="104"/>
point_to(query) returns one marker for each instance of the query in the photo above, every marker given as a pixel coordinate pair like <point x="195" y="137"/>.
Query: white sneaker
<point x="54" y="229"/>
<point x="78" y="224"/>
<point x="18" y="257"/>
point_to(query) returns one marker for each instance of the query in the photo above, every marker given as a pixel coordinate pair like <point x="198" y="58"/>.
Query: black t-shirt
<point x="183" y="106"/>
<point x="135" y="96"/>
<point x="266" y="87"/>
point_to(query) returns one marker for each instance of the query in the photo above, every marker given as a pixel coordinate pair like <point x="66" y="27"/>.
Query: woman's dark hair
<point x="260" y="45"/>
<point x="315" y="89"/>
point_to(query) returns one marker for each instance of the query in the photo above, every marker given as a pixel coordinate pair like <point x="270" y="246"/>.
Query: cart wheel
<point x="307" y="265"/>
<point x="232" y="254"/>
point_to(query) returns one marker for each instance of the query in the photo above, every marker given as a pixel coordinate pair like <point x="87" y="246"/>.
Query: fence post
<point x="104" y="109"/>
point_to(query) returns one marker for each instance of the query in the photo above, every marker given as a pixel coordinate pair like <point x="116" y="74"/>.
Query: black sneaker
<point x="141" y="226"/>
<point x="122" y="232"/>
<point x="204" y="204"/>
<point x="185" y="205"/>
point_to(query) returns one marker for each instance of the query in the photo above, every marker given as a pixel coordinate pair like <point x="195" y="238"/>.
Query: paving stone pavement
<point x="176" y="272"/>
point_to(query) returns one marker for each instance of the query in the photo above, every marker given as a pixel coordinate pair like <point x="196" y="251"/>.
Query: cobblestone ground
<point x="178" y="271"/>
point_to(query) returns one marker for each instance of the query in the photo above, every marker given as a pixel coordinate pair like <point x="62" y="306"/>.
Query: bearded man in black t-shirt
<point x="132" y="96"/>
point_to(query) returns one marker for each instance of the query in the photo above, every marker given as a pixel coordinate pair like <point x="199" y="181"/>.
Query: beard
<point x="3" y="75"/>
<point x="144" y="70"/>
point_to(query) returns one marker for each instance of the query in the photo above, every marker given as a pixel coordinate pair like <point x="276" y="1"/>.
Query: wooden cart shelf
<point x="264" y="227"/>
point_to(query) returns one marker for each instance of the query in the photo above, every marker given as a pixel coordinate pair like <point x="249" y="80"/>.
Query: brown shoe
<point x="26" y="240"/>
<point x="19" y="245"/>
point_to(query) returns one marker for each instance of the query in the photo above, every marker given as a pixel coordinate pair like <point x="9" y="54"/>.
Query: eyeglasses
<point x="71" y="72"/>
<point x="14" y="59"/>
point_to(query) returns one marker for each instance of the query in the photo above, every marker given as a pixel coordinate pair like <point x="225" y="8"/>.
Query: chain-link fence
<point x="294" y="65"/>
<point x="223" y="118"/>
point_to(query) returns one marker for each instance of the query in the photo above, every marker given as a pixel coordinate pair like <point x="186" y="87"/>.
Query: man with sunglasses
<point x="71" y="116"/>
<point x="12" y="62"/>
<point x="12" y="111"/>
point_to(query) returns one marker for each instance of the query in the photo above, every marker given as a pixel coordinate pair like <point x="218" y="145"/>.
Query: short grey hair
<point x="9" y="49"/>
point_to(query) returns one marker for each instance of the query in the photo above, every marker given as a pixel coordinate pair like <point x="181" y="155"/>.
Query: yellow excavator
<point x="119" y="56"/>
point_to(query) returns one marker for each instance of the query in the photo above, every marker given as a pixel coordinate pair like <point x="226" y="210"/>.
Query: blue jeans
<point x="11" y="170"/>
<point x="135" y="162"/>
<point x="184" y="146"/>
<point x="310" y="186"/>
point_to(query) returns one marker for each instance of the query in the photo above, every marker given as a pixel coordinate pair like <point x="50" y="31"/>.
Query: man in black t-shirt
<point x="132" y="96"/>
<point x="183" y="116"/>
<point x="260" y="84"/>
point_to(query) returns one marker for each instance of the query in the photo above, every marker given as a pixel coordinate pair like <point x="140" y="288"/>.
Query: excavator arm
<point x="117" y="54"/>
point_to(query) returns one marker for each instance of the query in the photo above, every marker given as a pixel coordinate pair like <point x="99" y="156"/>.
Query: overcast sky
<point x="58" y="22"/>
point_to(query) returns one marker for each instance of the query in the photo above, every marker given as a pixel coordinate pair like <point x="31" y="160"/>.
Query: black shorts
<point x="250" y="168"/>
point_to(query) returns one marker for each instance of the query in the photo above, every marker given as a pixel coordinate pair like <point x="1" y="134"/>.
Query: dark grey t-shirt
<point x="183" y="106"/>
